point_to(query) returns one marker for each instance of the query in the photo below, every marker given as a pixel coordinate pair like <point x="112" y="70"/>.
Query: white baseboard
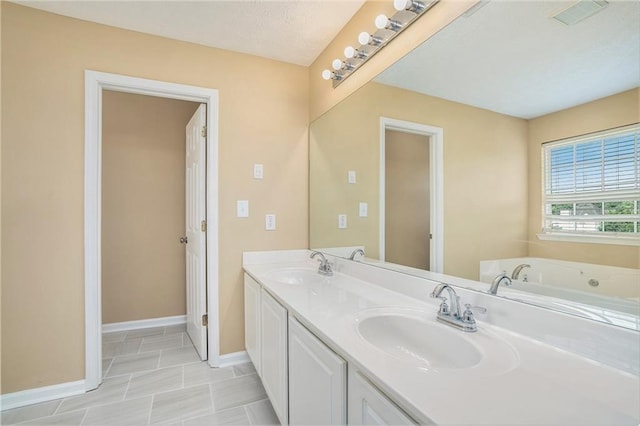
<point x="46" y="393"/>
<point x="235" y="358"/>
<point x="147" y="323"/>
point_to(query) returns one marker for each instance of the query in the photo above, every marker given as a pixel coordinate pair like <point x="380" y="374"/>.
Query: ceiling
<point x="510" y="57"/>
<point x="293" y="31"/>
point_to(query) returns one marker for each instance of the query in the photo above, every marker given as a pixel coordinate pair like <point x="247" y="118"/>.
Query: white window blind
<point x="591" y="186"/>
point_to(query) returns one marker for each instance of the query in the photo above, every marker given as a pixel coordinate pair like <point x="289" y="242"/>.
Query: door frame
<point x="436" y="185"/>
<point x="95" y="83"/>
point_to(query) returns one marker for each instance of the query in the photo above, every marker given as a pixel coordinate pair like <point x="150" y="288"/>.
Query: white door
<point x="196" y="262"/>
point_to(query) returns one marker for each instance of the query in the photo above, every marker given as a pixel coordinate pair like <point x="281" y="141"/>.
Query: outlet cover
<point x="270" y="222"/>
<point x="258" y="171"/>
<point x="342" y="221"/>
<point x="364" y="209"/>
<point x="351" y="176"/>
<point x="242" y="208"/>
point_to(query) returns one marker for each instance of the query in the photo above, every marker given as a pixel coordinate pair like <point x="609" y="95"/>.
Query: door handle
<point x="184" y="240"/>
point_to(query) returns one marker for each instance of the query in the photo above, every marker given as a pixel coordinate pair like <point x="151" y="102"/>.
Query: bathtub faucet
<point x="516" y="271"/>
<point x="496" y="283"/>
<point x="356" y="252"/>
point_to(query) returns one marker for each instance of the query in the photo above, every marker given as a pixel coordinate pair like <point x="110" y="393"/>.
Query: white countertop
<point x="537" y="384"/>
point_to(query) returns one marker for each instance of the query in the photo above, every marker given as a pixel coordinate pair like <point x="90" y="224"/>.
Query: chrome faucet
<point x="452" y="316"/>
<point x="355" y="252"/>
<point x="325" y="266"/>
<point x="516" y="271"/>
<point x="496" y="282"/>
<point x="455" y="300"/>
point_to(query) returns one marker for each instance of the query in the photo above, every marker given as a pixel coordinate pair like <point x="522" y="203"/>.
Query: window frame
<point x="602" y="196"/>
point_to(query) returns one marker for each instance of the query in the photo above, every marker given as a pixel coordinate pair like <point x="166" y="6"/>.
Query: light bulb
<point x="384" y="23"/>
<point x="364" y="38"/>
<point x="381" y="22"/>
<point x="414" y="6"/>
<point x="401" y="4"/>
<point x="349" y="52"/>
<point x="336" y="64"/>
<point x="367" y="39"/>
<point x="326" y="74"/>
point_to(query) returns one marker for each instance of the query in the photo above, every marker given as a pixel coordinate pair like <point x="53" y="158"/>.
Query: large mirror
<point x="435" y="166"/>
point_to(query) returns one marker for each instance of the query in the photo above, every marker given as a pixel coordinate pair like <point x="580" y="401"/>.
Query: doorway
<point x="95" y="85"/>
<point x="144" y="212"/>
<point x="407" y="209"/>
<point x="411" y="194"/>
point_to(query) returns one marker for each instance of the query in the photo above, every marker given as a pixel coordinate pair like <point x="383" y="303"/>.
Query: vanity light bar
<point x="408" y="11"/>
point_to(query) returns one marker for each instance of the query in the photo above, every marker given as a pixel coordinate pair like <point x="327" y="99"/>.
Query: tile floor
<point x="154" y="376"/>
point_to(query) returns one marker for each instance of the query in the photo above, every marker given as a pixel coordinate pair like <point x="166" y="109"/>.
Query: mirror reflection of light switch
<point x="243" y="208"/>
<point x="351" y="176"/>
<point x="342" y="221"/>
<point x="364" y="207"/>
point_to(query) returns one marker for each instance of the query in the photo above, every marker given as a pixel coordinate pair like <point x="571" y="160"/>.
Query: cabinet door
<point x="274" y="354"/>
<point x="317" y="380"/>
<point x="252" y="321"/>
<point x="368" y="406"/>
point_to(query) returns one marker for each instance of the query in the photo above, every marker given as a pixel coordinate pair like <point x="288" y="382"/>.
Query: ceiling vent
<point x="579" y="11"/>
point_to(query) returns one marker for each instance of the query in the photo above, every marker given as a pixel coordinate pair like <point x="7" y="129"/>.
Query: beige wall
<point x="143" y="206"/>
<point x="606" y="113"/>
<point x="485" y="175"/>
<point x="406" y="198"/>
<point x="263" y="119"/>
<point x="322" y="94"/>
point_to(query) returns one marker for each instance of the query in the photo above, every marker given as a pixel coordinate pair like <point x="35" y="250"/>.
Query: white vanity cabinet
<point x="252" y="321"/>
<point x="274" y="359"/>
<point x="369" y="406"/>
<point x="305" y="380"/>
<point x="317" y="380"/>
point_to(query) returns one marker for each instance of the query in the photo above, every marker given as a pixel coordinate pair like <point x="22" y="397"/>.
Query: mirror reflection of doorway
<point x="407" y="199"/>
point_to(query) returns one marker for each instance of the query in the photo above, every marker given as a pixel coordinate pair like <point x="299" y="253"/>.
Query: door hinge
<point x="205" y="320"/>
<point x="204" y="131"/>
<point x="203" y="226"/>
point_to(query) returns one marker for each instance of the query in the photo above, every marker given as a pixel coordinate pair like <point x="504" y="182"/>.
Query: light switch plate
<point x="342" y="221"/>
<point x="243" y="208"/>
<point x="270" y="222"/>
<point x="364" y="207"/>
<point x="351" y="176"/>
<point x="258" y="171"/>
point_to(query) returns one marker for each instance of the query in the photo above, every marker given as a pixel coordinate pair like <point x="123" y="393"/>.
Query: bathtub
<point x="607" y="293"/>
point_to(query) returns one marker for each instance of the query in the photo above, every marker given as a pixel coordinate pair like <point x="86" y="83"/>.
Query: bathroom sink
<point x="420" y="340"/>
<point x="415" y="337"/>
<point x="296" y="276"/>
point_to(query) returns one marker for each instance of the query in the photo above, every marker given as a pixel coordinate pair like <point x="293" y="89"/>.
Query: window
<point x="591" y="188"/>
